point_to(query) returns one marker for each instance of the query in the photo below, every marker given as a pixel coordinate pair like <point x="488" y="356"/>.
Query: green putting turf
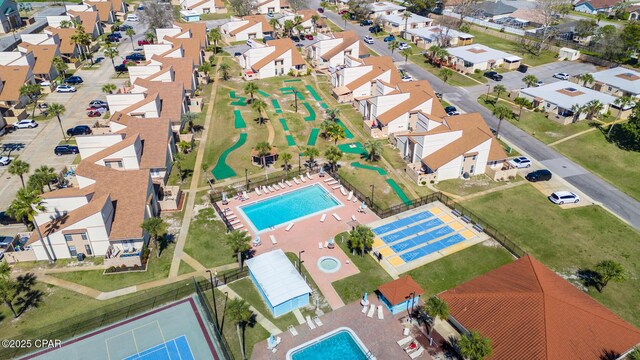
<point x="290" y="140"/>
<point x="313" y="93"/>
<point x="353" y="148"/>
<point x="222" y="170"/>
<point x="238" y="120"/>
<point x="287" y="90"/>
<point x="276" y="106"/>
<point x="292" y="80"/>
<point x="324" y="106"/>
<point x="232" y="94"/>
<point x="312" y="113"/>
<point x="313" y="136"/>
<point x="263" y="93"/>
<point x="284" y="124"/>
<point x="399" y="191"/>
<point x="241" y="101"/>
<point x="379" y="170"/>
<point x="347" y="133"/>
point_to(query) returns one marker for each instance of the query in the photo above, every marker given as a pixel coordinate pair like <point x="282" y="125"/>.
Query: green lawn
<point x="568" y="240"/>
<point x="323" y="304"/>
<point x="187" y="169"/>
<point x="456" y="79"/>
<point x="472" y="185"/>
<point x="185" y="268"/>
<point x="596" y="154"/>
<point x="210" y="16"/>
<point x="206" y="240"/>
<point x="495" y="42"/>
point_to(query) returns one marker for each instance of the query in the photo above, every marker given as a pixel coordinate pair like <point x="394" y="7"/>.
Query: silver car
<point x="25" y="124"/>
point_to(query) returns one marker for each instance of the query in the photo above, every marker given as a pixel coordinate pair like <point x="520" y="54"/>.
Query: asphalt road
<point x="591" y="185"/>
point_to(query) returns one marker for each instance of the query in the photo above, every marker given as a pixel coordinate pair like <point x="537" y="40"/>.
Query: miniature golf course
<point x="347" y="133"/>
<point x="238" y="121"/>
<point x="263" y="93"/>
<point x="353" y="148"/>
<point x="222" y="170"/>
<point x="276" y="106"/>
<point x="313" y="136"/>
<point x="379" y="170"/>
<point x="394" y="186"/>
<point x="312" y="113"/>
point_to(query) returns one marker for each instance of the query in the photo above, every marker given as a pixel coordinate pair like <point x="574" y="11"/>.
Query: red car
<point x="144" y="42"/>
<point x="94" y="113"/>
<point x="309" y="37"/>
<point x="342" y="12"/>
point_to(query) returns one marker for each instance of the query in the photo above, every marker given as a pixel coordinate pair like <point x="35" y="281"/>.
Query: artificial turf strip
<point x="263" y="93"/>
<point x="238" y="122"/>
<point x="324" y="106"/>
<point x="241" y="101"/>
<point x="313" y="93"/>
<point x="347" y="133"/>
<point x="312" y="113"/>
<point x="276" y="106"/>
<point x="292" y="80"/>
<point x="222" y="170"/>
<point x="379" y="170"/>
<point x="399" y="191"/>
<point x="289" y="90"/>
<point x="290" y="140"/>
<point x="313" y="136"/>
<point x="353" y="148"/>
<point x="284" y="124"/>
<point x="232" y="94"/>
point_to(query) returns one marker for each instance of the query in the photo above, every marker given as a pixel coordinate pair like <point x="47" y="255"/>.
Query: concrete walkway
<point x="572" y="136"/>
<point x="260" y="319"/>
<point x="492" y="190"/>
<point x="299" y="316"/>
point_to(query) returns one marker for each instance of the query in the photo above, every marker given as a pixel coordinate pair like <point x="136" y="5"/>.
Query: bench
<point x="456" y="212"/>
<point x="478" y="228"/>
<point x="465" y="219"/>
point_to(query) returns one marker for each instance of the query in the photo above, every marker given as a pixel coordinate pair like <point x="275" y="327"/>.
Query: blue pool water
<point x="289" y="206"/>
<point x="340" y="346"/>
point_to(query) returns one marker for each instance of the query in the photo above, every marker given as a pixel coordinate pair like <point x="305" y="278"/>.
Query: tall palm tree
<point x="285" y="158"/>
<point x="239" y="242"/>
<point x="577" y="109"/>
<point x="373" y="148"/>
<point x="437" y="54"/>
<point x="586" y="79"/>
<point x="498" y="89"/>
<point x="215" y="36"/>
<point x="32" y="91"/>
<point x="275" y="24"/>
<point x="250" y="89"/>
<point x="259" y="106"/>
<point x="621" y="103"/>
<point x="82" y="40"/>
<point x="435" y="308"/>
<point x="530" y="80"/>
<point x="361" y="239"/>
<point x="332" y="114"/>
<point x="311" y="152"/>
<point x="26" y="206"/>
<point x="188" y="118"/>
<point x="57" y="109"/>
<point x="205" y="68"/>
<point x="156" y="228"/>
<point x="111" y="52"/>
<point x="333" y="155"/>
<point x="521" y="102"/>
<point x="474" y="346"/>
<point x="335" y="132"/>
<point x="178" y="162"/>
<point x="130" y="32"/>
<point x="46" y="174"/>
<point x="346" y="16"/>
<point x="594" y="107"/>
<point x="109" y="88"/>
<point x="406" y="53"/>
<point x="150" y="36"/>
<point x="501" y="111"/>
<point x="61" y="66"/>
<point x="609" y="270"/>
<point x="239" y="312"/>
<point x="19" y="168"/>
<point x="65" y="24"/>
<point x="263" y="149"/>
<point x="445" y="74"/>
<point x="393" y="45"/>
<point x="406" y="16"/>
<point x="224" y="69"/>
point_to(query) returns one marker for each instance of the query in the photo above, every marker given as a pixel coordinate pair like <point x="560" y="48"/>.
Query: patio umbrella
<point x="321" y="171"/>
<point x="364" y="301"/>
<point x="363" y="206"/>
<point x="224" y="197"/>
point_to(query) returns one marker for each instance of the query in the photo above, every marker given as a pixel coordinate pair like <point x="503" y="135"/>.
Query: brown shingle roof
<point x="66" y="45"/>
<point x="12" y="77"/>
<point x="44" y="55"/>
<point x="600" y="4"/>
<point x="89" y="19"/>
<point x="183" y="69"/>
<point x="380" y="65"/>
<point x="252" y="20"/>
<point x="191" y="47"/>
<point x="281" y="46"/>
<point x="419" y="92"/>
<point x="171" y="96"/>
<point x="529" y="312"/>
<point x="198" y="31"/>
<point x="155" y="135"/>
<point x="69" y="192"/>
<point x="397" y="291"/>
<point x="348" y="39"/>
<point x="104" y="9"/>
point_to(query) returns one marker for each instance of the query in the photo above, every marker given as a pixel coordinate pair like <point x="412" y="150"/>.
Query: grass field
<point x="473" y="185"/>
<point x="456" y="79"/>
<point x="206" y="240"/>
<point x="568" y="240"/>
<point x="497" y="43"/>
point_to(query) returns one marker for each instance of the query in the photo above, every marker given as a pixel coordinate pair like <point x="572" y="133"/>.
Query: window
<point x="84" y="236"/>
<point x="73" y="251"/>
<point x="472" y="168"/>
<point x="116" y="164"/>
<point x="68" y="237"/>
<point x="87" y="250"/>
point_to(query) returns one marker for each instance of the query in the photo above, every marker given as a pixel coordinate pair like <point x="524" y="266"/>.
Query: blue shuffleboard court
<point x="401" y="223"/>
<point x="175" y="349"/>
<point x="431" y="248"/>
<point x="411" y="230"/>
<point x="421" y="239"/>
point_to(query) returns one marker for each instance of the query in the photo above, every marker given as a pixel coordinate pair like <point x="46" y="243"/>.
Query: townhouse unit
<point x="275" y="58"/>
<point x="357" y="78"/>
<point x="382" y="8"/>
<point x="451" y="147"/>
<point x="439" y="35"/>
<point x="309" y="20"/>
<point x="332" y="49"/>
<point x="397" y="23"/>
<point x="270" y="6"/>
<point x="480" y="57"/>
<point x="186" y="40"/>
<point x="200" y="7"/>
<point x="88" y="16"/>
<point x="105" y="9"/>
<point x="68" y="49"/>
<point x="12" y="77"/>
<point x="594" y="7"/>
<point x="245" y="28"/>
<point x="393" y="108"/>
<point x="9" y="17"/>
<point x="618" y="81"/>
<point x="43" y="68"/>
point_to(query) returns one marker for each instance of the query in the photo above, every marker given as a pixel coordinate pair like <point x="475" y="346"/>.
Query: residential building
<point x="9" y="16"/>
<point x="356" y="80"/>
<point x="594" y="7"/>
<point x="90" y="20"/>
<point x="451" y="147"/>
<point x="529" y="17"/>
<point x="397" y="24"/>
<point x="382" y="8"/>
<point x="560" y="98"/>
<point x="105" y="10"/>
<point x="331" y="49"/>
<point x="442" y="36"/>
<point x="306" y="20"/>
<point x="12" y="77"/>
<point x="245" y="28"/>
<point x="480" y="57"/>
<point x="277" y="57"/>
<point x="43" y="68"/>
<point x="201" y="7"/>
<point x="493" y="10"/>
<point x="530" y="312"/>
<point x="68" y="49"/>
<point x="618" y="81"/>
<point x="189" y="16"/>
<point x="270" y="6"/>
<point x="186" y="40"/>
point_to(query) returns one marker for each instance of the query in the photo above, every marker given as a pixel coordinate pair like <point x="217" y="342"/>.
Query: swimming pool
<point x="286" y="207"/>
<point x="340" y="344"/>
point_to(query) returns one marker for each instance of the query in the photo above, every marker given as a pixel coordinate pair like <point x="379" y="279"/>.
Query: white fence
<point x="491" y="25"/>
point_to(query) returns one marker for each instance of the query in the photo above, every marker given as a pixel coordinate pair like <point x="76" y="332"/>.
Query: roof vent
<point x="570" y="89"/>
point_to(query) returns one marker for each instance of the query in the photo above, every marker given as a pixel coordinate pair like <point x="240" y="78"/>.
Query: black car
<point x="135" y="57"/>
<point x="366" y="22"/>
<point x="125" y="27"/>
<point x="493" y="75"/>
<point x="375" y="29"/>
<point x="66" y="150"/>
<point x="295" y="38"/>
<point x="539" y="175"/>
<point x="74" y="80"/>
<point x="111" y="38"/>
<point x="121" y="68"/>
<point x="451" y="110"/>
<point x="79" y="130"/>
<point x="116" y="34"/>
<point x="523" y="68"/>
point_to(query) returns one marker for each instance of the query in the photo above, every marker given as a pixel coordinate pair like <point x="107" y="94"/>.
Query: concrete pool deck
<point x="308" y="232"/>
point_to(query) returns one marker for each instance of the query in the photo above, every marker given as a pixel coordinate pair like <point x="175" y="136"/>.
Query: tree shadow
<point x="186" y="173"/>
<point x="164" y="241"/>
<point x="590" y="278"/>
<point x="609" y="355"/>
<point x="197" y="128"/>
<point x="31" y="297"/>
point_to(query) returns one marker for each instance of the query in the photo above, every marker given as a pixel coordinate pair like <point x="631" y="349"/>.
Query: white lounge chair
<point x="289" y="227"/>
<point x="258" y="191"/>
<point x="336" y="187"/>
<point x="295" y="180"/>
<point x="328" y="179"/>
<point x="343" y="191"/>
<point x="309" y="176"/>
<point x="245" y="195"/>
<point x="380" y="313"/>
<point x="271" y="188"/>
<point x="303" y="179"/>
<point x="353" y="217"/>
<point x="288" y="183"/>
<point x="406" y="331"/>
<point x="293" y="330"/>
<point x="317" y="321"/>
<point x="405" y="341"/>
<point x="337" y="217"/>
<point x="273" y="239"/>
<point x="234" y="221"/>
<point x="238" y="226"/>
<point x="372" y="309"/>
<point x="365" y="308"/>
<point x="310" y="323"/>
<point x="416" y="353"/>
<point x="265" y="190"/>
<point x="276" y="186"/>
<point x="355" y="199"/>
<point x="323" y="217"/>
<point x="320" y="245"/>
<point x="350" y="195"/>
<point x="332" y="182"/>
<point x="231" y="217"/>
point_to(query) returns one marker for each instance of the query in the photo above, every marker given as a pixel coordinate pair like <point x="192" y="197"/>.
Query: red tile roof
<point x="529" y="312"/>
<point x="398" y="290"/>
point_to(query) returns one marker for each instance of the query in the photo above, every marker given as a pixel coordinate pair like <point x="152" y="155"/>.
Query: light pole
<point x="488" y="89"/>
<point x="224" y="309"/>
<point x="295" y="99"/>
<point x="246" y="178"/>
<point x="300" y="261"/>
<point x="372" y="186"/>
<point x="213" y="294"/>
<point x="299" y="164"/>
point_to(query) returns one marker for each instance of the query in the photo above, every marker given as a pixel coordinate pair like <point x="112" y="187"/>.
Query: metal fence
<point x="217" y="335"/>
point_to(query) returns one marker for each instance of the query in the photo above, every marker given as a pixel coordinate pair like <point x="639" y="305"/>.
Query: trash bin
<point x="80" y="256"/>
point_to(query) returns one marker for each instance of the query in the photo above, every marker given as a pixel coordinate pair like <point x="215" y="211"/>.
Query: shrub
<point x="423" y="183"/>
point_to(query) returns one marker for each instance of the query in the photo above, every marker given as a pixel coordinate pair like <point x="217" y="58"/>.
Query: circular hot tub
<point x="329" y="264"/>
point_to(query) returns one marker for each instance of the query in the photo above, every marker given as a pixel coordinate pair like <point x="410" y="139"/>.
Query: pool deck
<point x="378" y="336"/>
<point x="308" y="232"/>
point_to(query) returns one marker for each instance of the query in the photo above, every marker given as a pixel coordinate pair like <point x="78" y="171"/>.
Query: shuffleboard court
<point x="177" y="331"/>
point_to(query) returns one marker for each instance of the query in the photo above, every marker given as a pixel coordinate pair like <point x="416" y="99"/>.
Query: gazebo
<point x="400" y="294"/>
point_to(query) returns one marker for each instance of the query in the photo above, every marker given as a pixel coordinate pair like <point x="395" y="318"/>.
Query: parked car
<point x="520" y="162"/>
<point x="267" y="38"/>
<point x="66" y="150"/>
<point x="561" y="76"/>
<point x="5" y="241"/>
<point x="4" y="160"/>
<point x="375" y="29"/>
<point x="144" y="42"/>
<point x="539" y="175"/>
<point x="125" y="27"/>
<point x="321" y="10"/>
<point x="112" y="38"/>
<point x="295" y="38"/>
<point x="73" y="80"/>
<point x="368" y="39"/>
<point x="99" y="103"/>
<point x="562" y="197"/>
<point x="79" y="130"/>
<point x="439" y="95"/>
<point x="25" y="124"/>
<point x="121" y="68"/>
<point x="451" y="110"/>
<point x="66" y="89"/>
<point x="366" y="22"/>
<point x="116" y="34"/>
<point x="342" y="12"/>
<point x="389" y="38"/>
<point x="133" y="18"/>
<point x="403" y="46"/>
<point x="309" y="37"/>
<point x="523" y="68"/>
<point x="135" y="57"/>
<point x="493" y="75"/>
<point x="407" y="77"/>
<point x="96" y="113"/>
<point x="539" y="83"/>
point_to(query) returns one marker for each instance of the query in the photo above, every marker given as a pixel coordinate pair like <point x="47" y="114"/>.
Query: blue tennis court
<point x="401" y="222"/>
<point x="176" y="349"/>
<point x="431" y="248"/>
<point x="411" y="230"/>
<point x="421" y="239"/>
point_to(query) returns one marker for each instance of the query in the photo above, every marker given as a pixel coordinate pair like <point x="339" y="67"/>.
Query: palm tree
<point x="61" y="66"/>
<point x="188" y="118"/>
<point x="314" y="21"/>
<point x="332" y="114"/>
<point x="373" y="148"/>
<point x="82" y="40"/>
<point x="111" y="53"/>
<point x="130" y="32"/>
<point x="205" y="68"/>
<point x="150" y="36"/>
<point x="109" y="88"/>
<point x="26" y="206"/>
<point x="239" y="312"/>
<point x="593" y="107"/>
<point x="435" y="308"/>
<point x="521" y="102"/>
<point x="239" y="242"/>
<point x="65" y="24"/>
<point x="335" y="132"/>
<point x="178" y="162"/>
<point x="259" y="106"/>
<point x="393" y="45"/>
<point x="57" y="110"/>
<point x="474" y="346"/>
<point x="437" y="54"/>
<point x="263" y="149"/>
<point x="47" y="175"/>
<point x="285" y="157"/>
<point x="19" y="168"/>
<point x="184" y="146"/>
<point x="445" y="74"/>
<point x="530" y="80"/>
<point x="577" y="109"/>
<point x="346" y="16"/>
<point x="9" y="288"/>
<point x="501" y="111"/>
<point x="406" y="53"/>
<point x="250" y="89"/>
<point x="275" y="24"/>
<point x="32" y="91"/>
<point x="224" y="68"/>
<point x="498" y="89"/>
<point x="333" y="155"/>
<point x="156" y="228"/>
<point x="406" y="16"/>
<point x="361" y="239"/>
<point x="609" y="270"/>
<point x="586" y="79"/>
<point x="621" y="103"/>
<point x="311" y="153"/>
<point x="215" y="36"/>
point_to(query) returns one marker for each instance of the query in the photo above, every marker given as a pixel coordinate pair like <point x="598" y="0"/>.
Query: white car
<point x="133" y="18"/>
<point x="66" y="89"/>
<point x="403" y="46"/>
<point x="407" y="77"/>
<point x="25" y="124"/>
<point x="4" y="160"/>
<point x="561" y="76"/>
<point x="520" y="162"/>
<point x="539" y="83"/>
<point x="368" y="39"/>
<point x="564" y="197"/>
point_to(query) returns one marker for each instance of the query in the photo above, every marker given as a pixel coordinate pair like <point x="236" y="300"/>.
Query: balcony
<point x="117" y="257"/>
<point x="418" y="174"/>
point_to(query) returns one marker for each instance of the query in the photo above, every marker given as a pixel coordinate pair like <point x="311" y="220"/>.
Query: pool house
<point x="278" y="282"/>
<point x="400" y="294"/>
